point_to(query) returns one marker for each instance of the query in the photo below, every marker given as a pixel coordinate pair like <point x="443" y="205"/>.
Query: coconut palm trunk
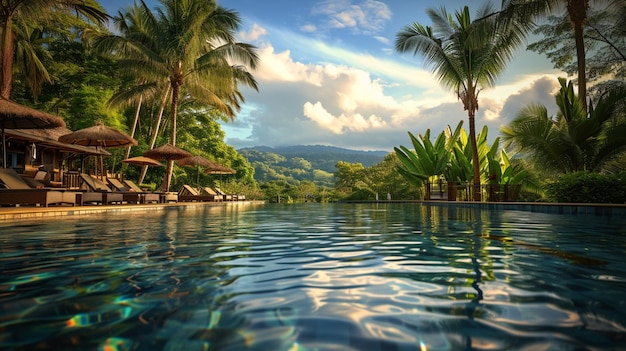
<point x="476" y="193"/>
<point x="157" y="126"/>
<point x="8" y="52"/>
<point x="135" y="122"/>
<point x="167" y="181"/>
<point x="577" y="10"/>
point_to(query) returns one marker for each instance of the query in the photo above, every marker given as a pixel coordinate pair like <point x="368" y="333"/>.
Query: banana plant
<point x="427" y="159"/>
<point x="460" y="168"/>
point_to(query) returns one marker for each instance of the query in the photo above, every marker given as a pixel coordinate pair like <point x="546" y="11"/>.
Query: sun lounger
<point x="227" y="197"/>
<point x="96" y="192"/>
<point x="16" y="191"/>
<point x="128" y="194"/>
<point x="131" y="194"/>
<point x="152" y="196"/>
<point x="211" y="192"/>
<point x="190" y="194"/>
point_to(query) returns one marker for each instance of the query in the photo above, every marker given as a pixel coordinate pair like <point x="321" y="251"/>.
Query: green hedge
<point x="588" y="187"/>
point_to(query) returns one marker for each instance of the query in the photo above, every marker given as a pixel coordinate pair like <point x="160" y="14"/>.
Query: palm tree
<point x="17" y="16"/>
<point x="465" y="55"/>
<point x="577" y="11"/>
<point x="191" y="45"/>
<point x="573" y="140"/>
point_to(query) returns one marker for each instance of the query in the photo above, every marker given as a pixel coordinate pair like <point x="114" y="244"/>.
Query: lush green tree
<point x="191" y="45"/>
<point x="604" y="39"/>
<point x="21" y="22"/>
<point x="578" y="15"/>
<point x="573" y="140"/>
<point x="465" y="55"/>
<point x="349" y="176"/>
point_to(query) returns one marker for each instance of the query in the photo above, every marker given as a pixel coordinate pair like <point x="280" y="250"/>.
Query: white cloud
<point x="354" y="122"/>
<point x="308" y="28"/>
<point x="383" y="40"/>
<point x="255" y="34"/>
<point x="368" y="17"/>
<point x="369" y="104"/>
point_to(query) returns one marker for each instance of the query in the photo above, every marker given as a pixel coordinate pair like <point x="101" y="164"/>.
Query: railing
<point x="71" y="180"/>
<point x="463" y="192"/>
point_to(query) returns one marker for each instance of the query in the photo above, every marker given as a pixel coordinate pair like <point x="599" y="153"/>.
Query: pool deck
<point x="56" y="212"/>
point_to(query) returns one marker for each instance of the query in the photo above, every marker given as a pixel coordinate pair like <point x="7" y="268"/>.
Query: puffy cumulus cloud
<point x="340" y="124"/>
<point x="369" y="104"/>
<point x="368" y="17"/>
<point x="280" y="67"/>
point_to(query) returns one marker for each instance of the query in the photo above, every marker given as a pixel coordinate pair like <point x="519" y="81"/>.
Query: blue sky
<point x="329" y="76"/>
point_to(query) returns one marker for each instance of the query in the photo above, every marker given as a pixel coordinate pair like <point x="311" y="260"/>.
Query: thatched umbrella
<point x="99" y="136"/>
<point x="198" y="161"/>
<point x="167" y="152"/>
<point x="142" y="161"/>
<point x="16" y="116"/>
<point x="219" y="169"/>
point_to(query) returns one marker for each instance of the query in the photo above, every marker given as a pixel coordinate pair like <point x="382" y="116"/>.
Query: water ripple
<point x="315" y="277"/>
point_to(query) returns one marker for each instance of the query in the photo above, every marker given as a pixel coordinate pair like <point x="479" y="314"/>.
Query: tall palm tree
<point x="191" y="45"/>
<point x="577" y="11"/>
<point x="465" y="55"/>
<point x="16" y="15"/>
<point x="574" y="140"/>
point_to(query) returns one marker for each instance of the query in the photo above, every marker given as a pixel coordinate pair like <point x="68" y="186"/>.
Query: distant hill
<point x="305" y="162"/>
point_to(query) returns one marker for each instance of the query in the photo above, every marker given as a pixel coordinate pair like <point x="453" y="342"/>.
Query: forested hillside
<point x="302" y="162"/>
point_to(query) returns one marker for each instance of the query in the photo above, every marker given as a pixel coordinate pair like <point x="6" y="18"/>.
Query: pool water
<point x="315" y="277"/>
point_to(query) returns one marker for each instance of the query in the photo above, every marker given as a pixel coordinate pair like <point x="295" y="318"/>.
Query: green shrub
<point x="588" y="187"/>
<point x="361" y="194"/>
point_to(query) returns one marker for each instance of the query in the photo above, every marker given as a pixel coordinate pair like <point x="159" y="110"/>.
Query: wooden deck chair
<point x="16" y="191"/>
<point x="211" y="192"/>
<point x="129" y="195"/>
<point x="227" y="197"/>
<point x="96" y="192"/>
<point x="188" y="193"/>
<point x="150" y="196"/>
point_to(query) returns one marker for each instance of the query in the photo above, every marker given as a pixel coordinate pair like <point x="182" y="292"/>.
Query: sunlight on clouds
<point x="502" y="91"/>
<point x="342" y="123"/>
<point x="362" y="97"/>
<point x="351" y="92"/>
<point x="280" y="67"/>
<point x="492" y="101"/>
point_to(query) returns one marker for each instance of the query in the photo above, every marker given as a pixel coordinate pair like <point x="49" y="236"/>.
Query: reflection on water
<point x="315" y="277"/>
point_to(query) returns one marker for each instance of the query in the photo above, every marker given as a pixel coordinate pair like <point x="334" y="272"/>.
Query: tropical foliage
<point x="466" y="55"/>
<point x="23" y="37"/>
<point x="448" y="158"/>
<point x="589" y="187"/>
<point x="605" y="45"/>
<point x="573" y="140"/>
<point x="355" y="182"/>
<point x="190" y="45"/>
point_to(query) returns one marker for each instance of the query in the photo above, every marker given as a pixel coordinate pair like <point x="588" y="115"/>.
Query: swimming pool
<point x="315" y="277"/>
